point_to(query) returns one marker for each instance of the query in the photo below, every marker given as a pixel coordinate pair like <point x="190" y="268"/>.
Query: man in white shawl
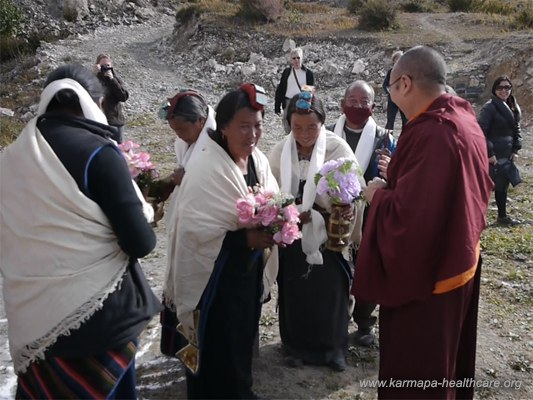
<point x="72" y="229"/>
<point x="216" y="278"/>
<point x="372" y="146"/>
<point x="313" y="328"/>
<point x="189" y="116"/>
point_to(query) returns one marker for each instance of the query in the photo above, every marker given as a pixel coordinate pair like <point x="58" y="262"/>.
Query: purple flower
<point x="338" y="179"/>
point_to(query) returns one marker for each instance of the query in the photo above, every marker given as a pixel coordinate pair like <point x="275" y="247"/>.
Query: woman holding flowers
<point x="215" y="280"/>
<point x="313" y="283"/>
<point x="73" y="225"/>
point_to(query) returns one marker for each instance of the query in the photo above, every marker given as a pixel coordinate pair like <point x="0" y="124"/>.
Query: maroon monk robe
<point x="420" y="249"/>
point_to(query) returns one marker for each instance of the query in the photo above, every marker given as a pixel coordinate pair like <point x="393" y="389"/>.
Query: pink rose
<point x="290" y="213"/>
<point x="268" y="214"/>
<point x="288" y="234"/>
<point x="246" y="209"/>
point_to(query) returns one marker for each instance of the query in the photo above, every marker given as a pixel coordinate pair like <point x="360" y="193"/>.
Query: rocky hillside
<point x="223" y="51"/>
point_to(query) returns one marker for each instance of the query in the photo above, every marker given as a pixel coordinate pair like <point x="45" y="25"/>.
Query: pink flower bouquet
<point x="142" y="170"/>
<point x="338" y="179"/>
<point x="274" y="211"/>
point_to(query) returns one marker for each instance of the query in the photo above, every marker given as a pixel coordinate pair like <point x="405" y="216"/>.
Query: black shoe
<point x="294" y="362"/>
<point x="365" y="339"/>
<point x="507" y="221"/>
<point x="338" y="364"/>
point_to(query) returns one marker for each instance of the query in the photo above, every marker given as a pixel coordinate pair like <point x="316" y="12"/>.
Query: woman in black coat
<point x="500" y="120"/>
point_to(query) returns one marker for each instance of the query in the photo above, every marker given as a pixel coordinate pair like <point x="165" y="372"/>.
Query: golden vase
<point x="338" y="228"/>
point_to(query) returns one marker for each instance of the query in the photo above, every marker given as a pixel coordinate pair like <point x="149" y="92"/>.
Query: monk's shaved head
<point x="424" y="65"/>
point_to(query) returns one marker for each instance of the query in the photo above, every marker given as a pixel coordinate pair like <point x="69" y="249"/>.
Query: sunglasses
<point x="504" y="87"/>
<point x="256" y="95"/>
<point x="296" y="58"/>
<point x="304" y="101"/>
<point x="168" y="106"/>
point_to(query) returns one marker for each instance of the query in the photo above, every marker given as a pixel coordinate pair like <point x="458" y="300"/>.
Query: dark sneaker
<point x="338" y="364"/>
<point x="507" y="221"/>
<point x="365" y="339"/>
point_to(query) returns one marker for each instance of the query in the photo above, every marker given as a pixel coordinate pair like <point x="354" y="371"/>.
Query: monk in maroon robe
<point x="419" y="257"/>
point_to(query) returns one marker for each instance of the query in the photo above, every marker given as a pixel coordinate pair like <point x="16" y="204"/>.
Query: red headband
<point x="173" y="101"/>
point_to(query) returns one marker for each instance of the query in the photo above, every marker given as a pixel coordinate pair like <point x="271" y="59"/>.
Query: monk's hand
<point x="383" y="164"/>
<point x="374" y="185"/>
<point x="259" y="239"/>
<point x="177" y="175"/>
<point x="493" y="160"/>
<point x="305" y="217"/>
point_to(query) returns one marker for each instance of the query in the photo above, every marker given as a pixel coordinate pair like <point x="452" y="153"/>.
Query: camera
<point x="105" y="68"/>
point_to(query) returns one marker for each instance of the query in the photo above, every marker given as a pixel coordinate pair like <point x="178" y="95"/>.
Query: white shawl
<point x="365" y="146"/>
<point x="184" y="154"/>
<point x="285" y="166"/>
<point x="207" y="211"/>
<point x="313" y="233"/>
<point x="60" y="257"/>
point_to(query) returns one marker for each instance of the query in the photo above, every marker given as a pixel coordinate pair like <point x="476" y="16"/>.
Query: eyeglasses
<point x="505" y="87"/>
<point x="256" y="95"/>
<point x="390" y="85"/>
<point x="296" y="58"/>
<point x="304" y="101"/>
<point x="167" y="107"/>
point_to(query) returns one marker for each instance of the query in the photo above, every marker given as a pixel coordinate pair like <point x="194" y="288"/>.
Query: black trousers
<point x="392" y="110"/>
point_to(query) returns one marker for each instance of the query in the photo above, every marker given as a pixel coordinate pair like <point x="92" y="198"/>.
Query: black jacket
<point x="114" y="94"/>
<point x="282" y="87"/>
<point x="501" y="127"/>
<point x="101" y="173"/>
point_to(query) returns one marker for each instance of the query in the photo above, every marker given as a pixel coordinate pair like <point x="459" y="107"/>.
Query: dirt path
<point x="151" y="78"/>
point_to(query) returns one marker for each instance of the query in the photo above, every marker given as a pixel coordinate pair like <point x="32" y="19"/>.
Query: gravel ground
<point x="150" y="78"/>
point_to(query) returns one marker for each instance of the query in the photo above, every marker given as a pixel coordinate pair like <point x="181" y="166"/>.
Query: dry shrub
<point x="10" y="128"/>
<point x="264" y="10"/>
<point x="523" y="19"/>
<point x="496" y="7"/>
<point x="377" y="15"/>
<point x="354" y="6"/>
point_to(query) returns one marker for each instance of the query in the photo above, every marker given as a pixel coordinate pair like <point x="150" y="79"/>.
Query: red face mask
<point x="357" y="116"/>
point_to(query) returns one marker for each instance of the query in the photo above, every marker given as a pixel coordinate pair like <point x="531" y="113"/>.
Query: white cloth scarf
<point x="365" y="146"/>
<point x="207" y="211"/>
<point x="313" y="233"/>
<point x="60" y="257"/>
<point x="184" y="154"/>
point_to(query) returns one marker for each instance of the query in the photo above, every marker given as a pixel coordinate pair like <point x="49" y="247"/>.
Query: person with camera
<point x="114" y="94"/>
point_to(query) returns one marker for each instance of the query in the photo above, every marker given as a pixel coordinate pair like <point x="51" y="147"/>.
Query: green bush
<point x="524" y="19"/>
<point x="462" y="5"/>
<point x="354" y="6"/>
<point x="417" y="6"/>
<point x="377" y="15"/>
<point x="11" y="18"/>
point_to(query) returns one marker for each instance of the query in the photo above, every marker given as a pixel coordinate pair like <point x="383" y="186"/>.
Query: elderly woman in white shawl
<point x="313" y="283"/>
<point x="216" y="279"/>
<point x="189" y="116"/>
<point x="72" y="230"/>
